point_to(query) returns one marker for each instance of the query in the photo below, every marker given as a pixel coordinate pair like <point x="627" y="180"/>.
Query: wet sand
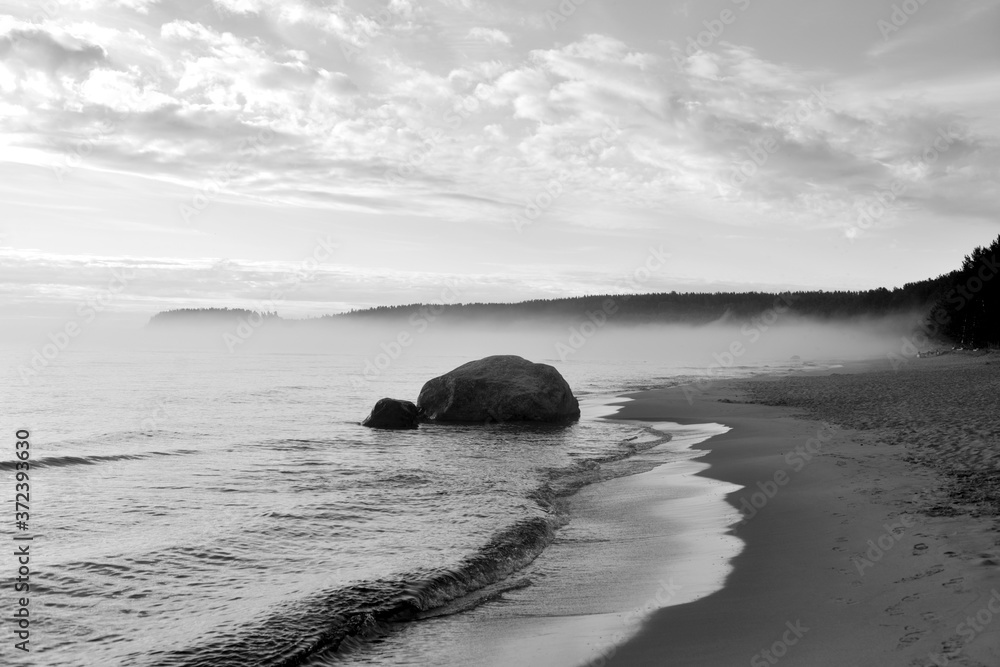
<point x="871" y="537"/>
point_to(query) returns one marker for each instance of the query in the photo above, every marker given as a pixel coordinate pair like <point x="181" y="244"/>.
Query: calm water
<point x="196" y="508"/>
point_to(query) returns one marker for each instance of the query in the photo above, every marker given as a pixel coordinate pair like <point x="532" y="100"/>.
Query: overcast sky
<point x="206" y="149"/>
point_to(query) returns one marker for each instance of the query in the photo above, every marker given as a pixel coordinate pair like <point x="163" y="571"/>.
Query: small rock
<point x="393" y="413"/>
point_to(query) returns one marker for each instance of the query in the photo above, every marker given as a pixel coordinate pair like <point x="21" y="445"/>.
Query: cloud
<point x="62" y="282"/>
<point x="24" y="47"/>
<point x="475" y="134"/>
<point x="490" y="35"/>
<point x="138" y="6"/>
<point x="964" y="24"/>
<point x="241" y="6"/>
<point x="355" y="28"/>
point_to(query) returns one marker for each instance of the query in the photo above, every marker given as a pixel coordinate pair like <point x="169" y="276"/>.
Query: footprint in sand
<point x="897" y="609"/>
<point x="844" y="539"/>
<point x="912" y="635"/>
<point x="955" y="583"/>
<point x="919" y="549"/>
<point x="931" y="616"/>
<point x="951" y="647"/>
<point x="937" y="569"/>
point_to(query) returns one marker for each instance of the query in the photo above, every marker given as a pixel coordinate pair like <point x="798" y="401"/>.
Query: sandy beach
<point x="869" y="516"/>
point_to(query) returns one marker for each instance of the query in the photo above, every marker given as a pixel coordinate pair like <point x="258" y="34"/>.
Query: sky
<point x="313" y="156"/>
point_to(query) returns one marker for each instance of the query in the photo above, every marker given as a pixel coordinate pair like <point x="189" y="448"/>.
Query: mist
<point x="381" y="347"/>
<point x="769" y="337"/>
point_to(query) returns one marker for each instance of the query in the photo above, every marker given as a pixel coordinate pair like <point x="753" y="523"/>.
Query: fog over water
<point x="768" y="336"/>
<point x="383" y="342"/>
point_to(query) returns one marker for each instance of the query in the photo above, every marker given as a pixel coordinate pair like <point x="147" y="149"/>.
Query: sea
<point x="205" y="509"/>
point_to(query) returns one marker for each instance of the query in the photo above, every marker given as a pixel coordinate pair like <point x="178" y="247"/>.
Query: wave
<point x="316" y="629"/>
<point x="97" y="459"/>
<point x="340" y="619"/>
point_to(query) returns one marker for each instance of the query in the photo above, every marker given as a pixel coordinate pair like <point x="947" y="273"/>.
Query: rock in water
<point x="393" y="413"/>
<point x="504" y="388"/>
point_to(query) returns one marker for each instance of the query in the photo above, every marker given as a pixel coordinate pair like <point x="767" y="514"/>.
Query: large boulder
<point x="393" y="413"/>
<point x="502" y="388"/>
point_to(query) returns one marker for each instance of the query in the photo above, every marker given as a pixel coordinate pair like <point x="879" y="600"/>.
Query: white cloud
<point x="490" y="35"/>
<point x="464" y="138"/>
<point x="121" y="91"/>
<point x="138" y="6"/>
<point x="352" y="27"/>
<point x="160" y="283"/>
<point x="141" y="6"/>
<point x="241" y="6"/>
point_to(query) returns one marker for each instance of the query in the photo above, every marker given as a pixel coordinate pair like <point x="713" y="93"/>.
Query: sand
<point x="870" y="519"/>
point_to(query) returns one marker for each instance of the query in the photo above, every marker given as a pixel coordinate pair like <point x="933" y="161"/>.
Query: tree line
<point x="964" y="305"/>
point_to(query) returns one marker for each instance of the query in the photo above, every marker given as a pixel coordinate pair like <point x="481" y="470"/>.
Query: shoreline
<point x="841" y="563"/>
<point x="672" y="548"/>
<point x="839" y="560"/>
<point x="675" y="532"/>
